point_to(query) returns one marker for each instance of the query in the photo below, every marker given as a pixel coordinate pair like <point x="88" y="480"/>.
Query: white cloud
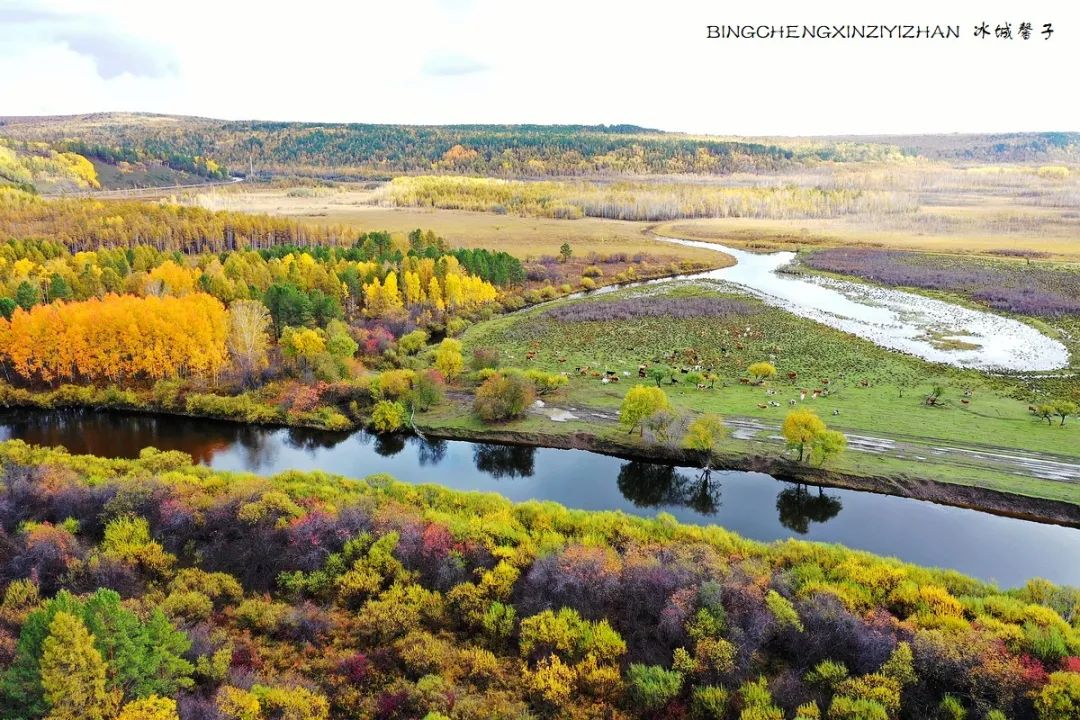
<point x="568" y="61"/>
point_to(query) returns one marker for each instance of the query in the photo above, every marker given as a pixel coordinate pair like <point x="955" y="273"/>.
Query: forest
<point x="152" y="587"/>
<point x="499" y="150"/>
<point x="156" y="588"/>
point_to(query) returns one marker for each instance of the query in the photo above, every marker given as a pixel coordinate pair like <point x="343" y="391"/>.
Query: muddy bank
<point x="964" y="496"/>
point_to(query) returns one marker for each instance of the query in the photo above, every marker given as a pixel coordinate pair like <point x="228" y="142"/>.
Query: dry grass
<point x="757" y="234"/>
<point x="521" y="236"/>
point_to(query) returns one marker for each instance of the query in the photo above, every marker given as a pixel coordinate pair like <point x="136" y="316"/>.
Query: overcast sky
<point x="557" y="61"/>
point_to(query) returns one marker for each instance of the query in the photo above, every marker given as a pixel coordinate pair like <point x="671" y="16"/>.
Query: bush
<point x="448" y="358"/>
<point x="414" y="342"/>
<point x="587" y="283"/>
<point x="502" y="397"/>
<point x="485" y="357"/>
<point x="544" y="382"/>
<point x="388" y="416"/>
<point x="652" y="687"/>
<point x="394" y="384"/>
<point x="427" y="390"/>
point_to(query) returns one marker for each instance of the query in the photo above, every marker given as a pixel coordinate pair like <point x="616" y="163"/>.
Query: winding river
<point x="1005" y="550"/>
<point x="1001" y="549"/>
<point x="925" y="327"/>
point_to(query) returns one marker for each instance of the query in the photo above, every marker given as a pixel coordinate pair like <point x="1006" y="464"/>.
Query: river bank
<point x="613" y="442"/>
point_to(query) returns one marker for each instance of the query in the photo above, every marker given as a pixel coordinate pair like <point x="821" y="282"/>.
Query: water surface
<point x="931" y="329"/>
<point x="1006" y="550"/>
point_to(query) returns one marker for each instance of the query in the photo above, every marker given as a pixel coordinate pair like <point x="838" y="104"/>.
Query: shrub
<point x="544" y="382"/>
<point x="587" y="283"/>
<point x="1059" y="699"/>
<point x="427" y="390"/>
<point x="761" y="371"/>
<point x="448" y="358"/>
<point x="414" y="342"/>
<point x="393" y="384"/>
<point x="652" y="687"/>
<point x="709" y="702"/>
<point x="484" y="357"/>
<point x="503" y="397"/>
<point x="388" y="416"/>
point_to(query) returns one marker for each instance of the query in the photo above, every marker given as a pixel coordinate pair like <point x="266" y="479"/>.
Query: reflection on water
<point x="798" y="507"/>
<point x="752" y="504"/>
<point x="649" y="485"/>
<point x="503" y="461"/>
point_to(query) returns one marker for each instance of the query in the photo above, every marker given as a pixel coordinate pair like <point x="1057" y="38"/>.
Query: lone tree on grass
<point x="703" y="435"/>
<point x="1060" y="408"/>
<point x="761" y="371"/>
<point x="640" y="402"/>
<point x="807" y="433"/>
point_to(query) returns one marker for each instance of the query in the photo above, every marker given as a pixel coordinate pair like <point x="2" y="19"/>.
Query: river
<point x="1005" y="550"/>
<point x="931" y="329"/>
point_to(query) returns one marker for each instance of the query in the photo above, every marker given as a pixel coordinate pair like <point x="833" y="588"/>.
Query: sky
<point x="557" y="61"/>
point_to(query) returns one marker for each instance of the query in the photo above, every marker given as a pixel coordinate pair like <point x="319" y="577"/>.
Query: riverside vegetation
<point x="154" y="588"/>
<point x="157" y="588"/>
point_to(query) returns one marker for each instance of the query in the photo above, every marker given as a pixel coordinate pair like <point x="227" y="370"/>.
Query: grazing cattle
<point x="531" y="355"/>
<point x="864" y="383"/>
<point x="965" y="401"/>
<point x="626" y="373"/>
<point x="744" y="381"/>
<point x="791" y="401"/>
<point x="824" y="381"/>
<point x="773" y="403"/>
<point x="701" y="386"/>
<point x="792" y="376"/>
<point x="641" y="371"/>
<point x="609" y="373"/>
<point x="605" y="380"/>
<point x="613" y="378"/>
<point x="770" y="391"/>
<point x="763" y="407"/>
<point x="967" y="393"/>
<point x="562" y="359"/>
<point x="835" y="412"/>
<point x="802" y="395"/>
<point x="594" y="374"/>
<point x="817" y="393"/>
<point x="825" y="392"/>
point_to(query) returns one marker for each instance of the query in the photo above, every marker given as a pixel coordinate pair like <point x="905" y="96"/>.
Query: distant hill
<point x="133" y="149"/>
<point x="382" y="150"/>
<point x="1005" y="147"/>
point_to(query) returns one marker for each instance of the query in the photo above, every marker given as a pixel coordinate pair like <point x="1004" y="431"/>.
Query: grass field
<point x="1059" y="239"/>
<point x="892" y="403"/>
<point x="522" y="236"/>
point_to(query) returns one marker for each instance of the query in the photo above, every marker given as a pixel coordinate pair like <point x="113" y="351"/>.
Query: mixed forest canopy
<point x="357" y="149"/>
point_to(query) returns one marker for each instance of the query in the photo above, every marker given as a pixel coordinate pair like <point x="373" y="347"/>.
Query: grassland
<point x="891" y="405"/>
<point x="351" y="204"/>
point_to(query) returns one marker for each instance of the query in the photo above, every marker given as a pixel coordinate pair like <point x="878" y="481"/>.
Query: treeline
<point x="117" y="339"/>
<point x="32" y="166"/>
<point x="115" y="154"/>
<point x="82" y="224"/>
<point x="152" y="588"/>
<point x="502" y="150"/>
<point x="638" y="200"/>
